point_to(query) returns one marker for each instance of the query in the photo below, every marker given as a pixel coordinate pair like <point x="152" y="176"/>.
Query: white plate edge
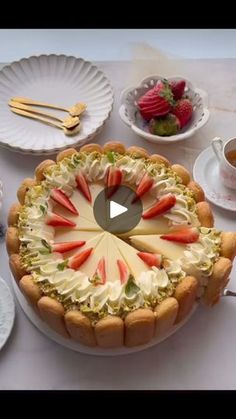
<point x="13" y="311"/>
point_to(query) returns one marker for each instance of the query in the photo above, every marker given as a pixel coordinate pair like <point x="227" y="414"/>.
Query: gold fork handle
<point x="27" y="101"/>
<point x="37" y="117"/>
<point x="19" y="105"/>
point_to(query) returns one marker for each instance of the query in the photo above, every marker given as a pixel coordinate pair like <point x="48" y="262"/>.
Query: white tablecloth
<point x="199" y="356"/>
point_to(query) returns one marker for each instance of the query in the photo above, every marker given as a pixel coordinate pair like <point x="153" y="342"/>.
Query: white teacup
<point x="227" y="171"/>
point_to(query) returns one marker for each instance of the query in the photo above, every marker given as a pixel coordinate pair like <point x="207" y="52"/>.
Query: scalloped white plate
<point x="68" y="343"/>
<point x="7" y="312"/>
<point x="56" y="79"/>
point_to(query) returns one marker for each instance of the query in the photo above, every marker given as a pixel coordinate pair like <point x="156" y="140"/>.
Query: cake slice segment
<point x="65" y="235"/>
<point x="90" y="246"/>
<point x="81" y="204"/>
<point x="135" y="264"/>
<point x="84" y="207"/>
<point x="82" y="223"/>
<point x="99" y="252"/>
<point x="153" y="243"/>
<point x="147" y="200"/>
<point x="154" y="226"/>
<point x="113" y="255"/>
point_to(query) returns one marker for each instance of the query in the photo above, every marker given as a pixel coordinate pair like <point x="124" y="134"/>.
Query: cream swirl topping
<point x="201" y="255"/>
<point x="112" y="296"/>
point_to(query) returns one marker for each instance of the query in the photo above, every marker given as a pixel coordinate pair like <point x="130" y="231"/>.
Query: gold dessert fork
<point x="69" y="122"/>
<point x="75" y="110"/>
<point x="67" y="131"/>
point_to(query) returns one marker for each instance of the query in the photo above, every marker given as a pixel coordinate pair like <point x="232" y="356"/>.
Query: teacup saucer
<point x="206" y="173"/>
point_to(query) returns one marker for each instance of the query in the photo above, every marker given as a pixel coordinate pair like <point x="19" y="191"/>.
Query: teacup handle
<point x="217" y="145"/>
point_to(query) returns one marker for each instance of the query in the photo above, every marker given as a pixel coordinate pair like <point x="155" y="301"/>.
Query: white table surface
<point x="199" y="356"/>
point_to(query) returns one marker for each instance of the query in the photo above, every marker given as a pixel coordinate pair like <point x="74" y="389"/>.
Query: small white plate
<point x="7" y="312"/>
<point x="206" y="173"/>
<point x="75" y="346"/>
<point x="59" y="80"/>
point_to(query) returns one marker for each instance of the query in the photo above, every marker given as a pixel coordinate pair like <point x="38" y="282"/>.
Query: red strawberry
<point x="151" y="259"/>
<point x="101" y="272"/>
<point x="144" y="186"/>
<point x="163" y="205"/>
<point x="83" y="186"/>
<point x="177" y="88"/>
<point x="185" y="235"/>
<point x="157" y="101"/>
<point x="55" y="220"/>
<point x="60" y="197"/>
<point x="66" y="246"/>
<point x="183" y="110"/>
<point x="76" y="261"/>
<point x="123" y="270"/>
<point x="114" y="179"/>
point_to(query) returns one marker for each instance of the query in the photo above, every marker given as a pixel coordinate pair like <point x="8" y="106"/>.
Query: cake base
<point x="75" y="346"/>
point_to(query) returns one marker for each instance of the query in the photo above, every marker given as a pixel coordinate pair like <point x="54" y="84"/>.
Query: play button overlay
<point x="117" y="211"/>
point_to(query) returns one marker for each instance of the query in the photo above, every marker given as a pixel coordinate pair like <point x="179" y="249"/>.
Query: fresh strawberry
<point x="177" y="88"/>
<point x="114" y="179"/>
<point x="185" y="235"/>
<point x="67" y="246"/>
<point x="60" y="197"/>
<point x="55" y="220"/>
<point x="76" y="261"/>
<point x="83" y="186"/>
<point x="164" y="126"/>
<point x="157" y="101"/>
<point x="144" y="186"/>
<point x="151" y="259"/>
<point x="100" y="273"/>
<point x="123" y="270"/>
<point x="164" y="204"/>
<point x="183" y="110"/>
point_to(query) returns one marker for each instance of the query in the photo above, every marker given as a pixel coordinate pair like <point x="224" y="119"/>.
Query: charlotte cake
<point x="105" y="290"/>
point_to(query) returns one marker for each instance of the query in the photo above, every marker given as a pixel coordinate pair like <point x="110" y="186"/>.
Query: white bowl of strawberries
<point x="164" y="110"/>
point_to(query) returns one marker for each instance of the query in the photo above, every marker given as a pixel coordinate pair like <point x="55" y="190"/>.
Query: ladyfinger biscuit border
<point x="52" y="313"/>
<point x="80" y="328"/>
<point x="185" y="293"/>
<point x="139" y="327"/>
<point x="109" y="332"/>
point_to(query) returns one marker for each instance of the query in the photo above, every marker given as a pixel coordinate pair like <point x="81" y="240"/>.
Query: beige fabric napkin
<point x="147" y="60"/>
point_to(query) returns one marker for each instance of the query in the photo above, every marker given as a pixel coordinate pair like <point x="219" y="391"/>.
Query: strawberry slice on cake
<point x="83" y="186"/>
<point x="56" y="220"/>
<point x="113" y="180"/>
<point x="62" y="199"/>
<point x="163" y="205"/>
<point x="129" y="254"/>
